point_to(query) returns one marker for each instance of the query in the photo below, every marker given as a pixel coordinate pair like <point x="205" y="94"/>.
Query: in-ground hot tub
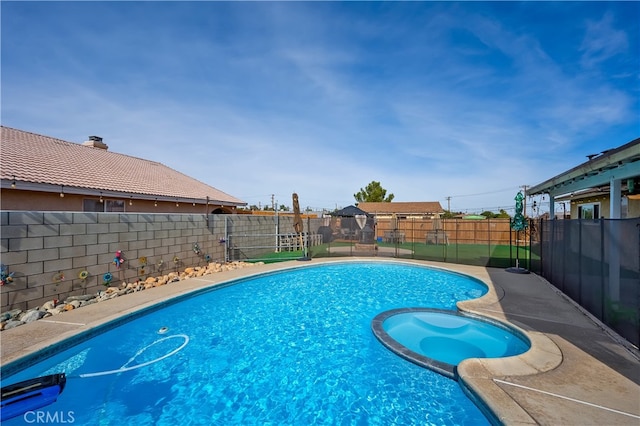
<point x="440" y="339"/>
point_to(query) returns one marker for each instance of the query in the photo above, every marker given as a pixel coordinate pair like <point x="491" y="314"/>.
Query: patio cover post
<point x="615" y="198"/>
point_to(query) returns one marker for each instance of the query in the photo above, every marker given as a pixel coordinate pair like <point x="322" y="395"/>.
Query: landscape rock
<point x="17" y="317"/>
<point x="48" y="305"/>
<point x="12" y="314"/>
<point x="83" y="297"/>
<point x="32" y="316"/>
<point x="12" y="324"/>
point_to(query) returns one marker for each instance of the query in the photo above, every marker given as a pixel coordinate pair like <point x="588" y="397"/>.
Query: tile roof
<point x="41" y="159"/>
<point x="418" y="207"/>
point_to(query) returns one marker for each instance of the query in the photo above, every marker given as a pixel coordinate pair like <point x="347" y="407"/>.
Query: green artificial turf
<point x="501" y="256"/>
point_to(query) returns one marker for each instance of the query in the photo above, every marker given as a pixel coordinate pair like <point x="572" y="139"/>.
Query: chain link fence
<point x="488" y="242"/>
<point x="594" y="262"/>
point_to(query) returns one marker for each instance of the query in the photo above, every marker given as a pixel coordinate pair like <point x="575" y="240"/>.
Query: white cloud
<point x="432" y="100"/>
<point x="602" y="41"/>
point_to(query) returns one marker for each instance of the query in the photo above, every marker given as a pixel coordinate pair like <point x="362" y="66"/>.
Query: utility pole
<point x="449" y="204"/>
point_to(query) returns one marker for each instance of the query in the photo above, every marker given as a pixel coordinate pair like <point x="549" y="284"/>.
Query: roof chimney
<point x="96" y="142"/>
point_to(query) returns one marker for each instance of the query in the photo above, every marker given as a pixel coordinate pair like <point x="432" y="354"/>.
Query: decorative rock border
<point x="17" y="317"/>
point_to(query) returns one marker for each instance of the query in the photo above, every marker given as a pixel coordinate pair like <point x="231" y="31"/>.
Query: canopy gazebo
<point x="355" y="224"/>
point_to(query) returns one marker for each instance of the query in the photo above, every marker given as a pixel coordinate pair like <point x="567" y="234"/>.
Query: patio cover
<point x="608" y="168"/>
<point x="350" y="211"/>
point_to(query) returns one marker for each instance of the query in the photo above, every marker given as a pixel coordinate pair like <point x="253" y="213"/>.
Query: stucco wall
<point x="633" y="207"/>
<point x="17" y="200"/>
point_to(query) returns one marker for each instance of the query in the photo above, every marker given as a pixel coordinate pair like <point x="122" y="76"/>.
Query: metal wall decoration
<point x="6" y="277"/>
<point x="119" y="259"/>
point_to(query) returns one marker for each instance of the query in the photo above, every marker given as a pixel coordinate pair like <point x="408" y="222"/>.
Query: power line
<point x="483" y="193"/>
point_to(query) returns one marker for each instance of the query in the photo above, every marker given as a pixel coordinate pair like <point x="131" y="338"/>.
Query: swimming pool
<point x="293" y="347"/>
<point x="440" y="339"/>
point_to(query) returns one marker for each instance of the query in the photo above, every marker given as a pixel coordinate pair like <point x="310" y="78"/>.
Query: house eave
<point x="620" y="163"/>
<point x="6" y="184"/>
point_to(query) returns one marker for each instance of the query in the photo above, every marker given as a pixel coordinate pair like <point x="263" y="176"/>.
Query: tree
<point x="448" y="215"/>
<point x="491" y="215"/>
<point x="373" y="193"/>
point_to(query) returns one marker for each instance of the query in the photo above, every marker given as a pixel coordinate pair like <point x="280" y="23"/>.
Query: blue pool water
<point x="293" y="347"/>
<point x="447" y="337"/>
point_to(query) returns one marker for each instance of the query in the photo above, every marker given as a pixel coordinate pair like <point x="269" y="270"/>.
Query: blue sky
<point x="468" y="100"/>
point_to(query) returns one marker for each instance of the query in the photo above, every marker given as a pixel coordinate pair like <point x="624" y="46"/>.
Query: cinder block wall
<point x="47" y="251"/>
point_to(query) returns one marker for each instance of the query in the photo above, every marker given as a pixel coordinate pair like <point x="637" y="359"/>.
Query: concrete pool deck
<point x="576" y="373"/>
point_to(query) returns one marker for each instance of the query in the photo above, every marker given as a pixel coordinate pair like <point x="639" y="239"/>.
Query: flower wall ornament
<point x="143" y="264"/>
<point x="6" y="277"/>
<point x="83" y="275"/>
<point x="196" y="249"/>
<point x="107" y="278"/>
<point x="207" y="257"/>
<point x="58" y="277"/>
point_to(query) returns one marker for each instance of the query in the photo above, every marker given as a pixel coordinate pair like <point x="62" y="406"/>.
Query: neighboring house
<point x="403" y="210"/>
<point x="48" y="174"/>
<point x="612" y="175"/>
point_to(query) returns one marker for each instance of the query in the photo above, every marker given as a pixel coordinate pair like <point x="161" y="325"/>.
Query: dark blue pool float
<point x="30" y="395"/>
